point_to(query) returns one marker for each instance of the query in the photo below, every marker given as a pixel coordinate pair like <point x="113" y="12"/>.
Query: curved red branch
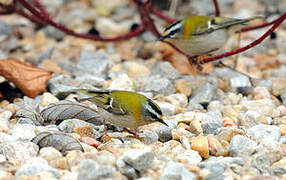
<point x="254" y="43"/>
<point x="217" y="11"/>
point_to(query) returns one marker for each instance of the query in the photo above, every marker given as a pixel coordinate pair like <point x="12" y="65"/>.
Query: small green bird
<point x="202" y="35"/>
<point x="125" y="109"/>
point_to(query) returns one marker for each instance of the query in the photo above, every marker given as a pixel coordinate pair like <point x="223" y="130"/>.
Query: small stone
<point x="48" y="99"/>
<point x="241" y="146"/>
<point x="166" y="108"/>
<point x="50" y="153"/>
<point x="59" y="83"/>
<point x="4" y="120"/>
<point x="226" y="134"/>
<point x="90" y="141"/>
<point x="196" y="126"/>
<point x="205" y="93"/>
<point x="283" y="96"/>
<point x="23" y="131"/>
<point x="19" y="150"/>
<point x="122" y="82"/>
<point x="135" y="70"/>
<point x="139" y="159"/>
<point x="69" y="125"/>
<point x="282" y="129"/>
<point x="33" y="169"/>
<point x="96" y="63"/>
<point x="250" y="118"/>
<point x="90" y="170"/>
<point x="282" y="110"/>
<point x="189" y="157"/>
<point x="194" y="106"/>
<point x="260" y="162"/>
<point x="261" y="93"/>
<point x="239" y="81"/>
<point x="87" y="79"/>
<point x="105" y="157"/>
<point x="164" y="133"/>
<point x="279" y="168"/>
<point x="200" y="144"/>
<point x="84" y="131"/>
<point x="262" y="131"/>
<point x="5" y="29"/>
<point x="177" y="171"/>
<point x="157" y="85"/>
<point x="277" y="86"/>
<point x="216" y="148"/>
<point x="183" y="87"/>
<point x="262" y="106"/>
<point x="165" y="70"/>
<point x="210" y="121"/>
<point x="215" y="105"/>
<point x="177" y="100"/>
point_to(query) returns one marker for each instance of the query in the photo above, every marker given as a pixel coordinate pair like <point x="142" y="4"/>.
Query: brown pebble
<point x="200" y="144"/>
<point x="61" y="163"/>
<point x="183" y="87"/>
<point x="282" y="129"/>
<point x="84" y="131"/>
<point x="90" y="141"/>
<point x="4" y="103"/>
<point x="215" y="147"/>
<point x="196" y="126"/>
<point x="227" y="135"/>
<point x="277" y="86"/>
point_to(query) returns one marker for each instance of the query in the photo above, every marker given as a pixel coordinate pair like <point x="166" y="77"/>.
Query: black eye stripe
<point x="172" y="25"/>
<point x="154" y="116"/>
<point x="154" y="107"/>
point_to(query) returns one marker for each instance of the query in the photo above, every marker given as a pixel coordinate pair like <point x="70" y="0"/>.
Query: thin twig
<point x="217" y="11"/>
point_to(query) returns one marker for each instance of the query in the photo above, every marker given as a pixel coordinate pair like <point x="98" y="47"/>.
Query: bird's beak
<point x="163" y="122"/>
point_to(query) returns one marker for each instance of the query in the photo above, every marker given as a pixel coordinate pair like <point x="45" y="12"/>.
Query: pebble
<point x="200" y="144"/>
<point x="189" y="157"/>
<point x="4" y="120"/>
<point x="33" y="169"/>
<point x="122" y="82"/>
<point x="5" y="29"/>
<point x="165" y="70"/>
<point x="23" y="131"/>
<point x="87" y="79"/>
<point x="215" y="105"/>
<point x="239" y="81"/>
<point x="262" y="131"/>
<point x="177" y="171"/>
<point x="139" y="159"/>
<point x="277" y="86"/>
<point x="182" y="86"/>
<point x="279" y="168"/>
<point x="177" y="99"/>
<point x="259" y="162"/>
<point x="164" y="133"/>
<point x="283" y="96"/>
<point x="205" y="93"/>
<point x="241" y="146"/>
<point x="50" y="153"/>
<point x="157" y="85"/>
<point x="226" y="133"/>
<point x="251" y="118"/>
<point x="210" y="121"/>
<point x="166" y="108"/>
<point x="136" y="70"/>
<point x="96" y="63"/>
<point x="90" y="170"/>
<point x="84" y="131"/>
<point x="262" y="106"/>
<point x="69" y="125"/>
<point x="105" y="157"/>
<point x="20" y="150"/>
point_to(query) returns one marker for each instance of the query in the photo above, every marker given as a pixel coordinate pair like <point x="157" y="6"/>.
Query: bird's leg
<point x="134" y="133"/>
<point x="195" y="60"/>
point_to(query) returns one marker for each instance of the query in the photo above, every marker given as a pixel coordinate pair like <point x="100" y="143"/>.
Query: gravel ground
<point x="221" y="124"/>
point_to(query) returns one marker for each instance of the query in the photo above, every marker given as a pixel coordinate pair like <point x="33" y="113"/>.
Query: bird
<point x="125" y="109"/>
<point x="202" y="35"/>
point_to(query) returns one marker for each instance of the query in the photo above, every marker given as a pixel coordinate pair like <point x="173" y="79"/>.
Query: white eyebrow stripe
<point x="177" y="26"/>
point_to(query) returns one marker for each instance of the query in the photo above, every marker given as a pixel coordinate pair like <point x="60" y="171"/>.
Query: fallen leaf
<point x="181" y="62"/>
<point x="31" y="80"/>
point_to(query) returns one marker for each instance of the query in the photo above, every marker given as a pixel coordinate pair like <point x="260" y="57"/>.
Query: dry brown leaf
<point x="31" y="80"/>
<point x="181" y="62"/>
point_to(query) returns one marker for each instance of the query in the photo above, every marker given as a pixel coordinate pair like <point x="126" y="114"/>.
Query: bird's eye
<point x="173" y="32"/>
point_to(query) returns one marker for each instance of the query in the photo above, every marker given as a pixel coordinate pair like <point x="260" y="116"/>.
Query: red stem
<point x="41" y="8"/>
<point x="160" y="14"/>
<point x="30" y="17"/>
<point x="254" y="43"/>
<point x="49" y="21"/>
<point x="217" y="11"/>
<point x="249" y="28"/>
